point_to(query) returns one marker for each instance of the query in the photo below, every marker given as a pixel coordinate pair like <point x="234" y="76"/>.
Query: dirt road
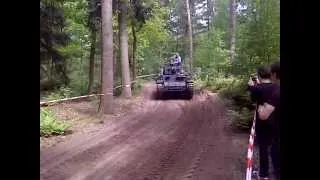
<point x="168" y="140"/>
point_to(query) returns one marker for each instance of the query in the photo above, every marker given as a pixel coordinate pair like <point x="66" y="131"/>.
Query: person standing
<point x="261" y="92"/>
<point x="177" y="60"/>
<point x="271" y="111"/>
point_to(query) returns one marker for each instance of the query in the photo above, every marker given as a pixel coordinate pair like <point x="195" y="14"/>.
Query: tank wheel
<point x="189" y="95"/>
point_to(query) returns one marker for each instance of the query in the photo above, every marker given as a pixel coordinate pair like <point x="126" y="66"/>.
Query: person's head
<point x="275" y="71"/>
<point x="264" y="73"/>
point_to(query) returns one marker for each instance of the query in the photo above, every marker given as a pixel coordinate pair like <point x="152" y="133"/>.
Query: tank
<point x="174" y="81"/>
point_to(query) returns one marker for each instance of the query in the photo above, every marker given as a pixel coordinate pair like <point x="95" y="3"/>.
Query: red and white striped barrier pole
<point x="250" y="149"/>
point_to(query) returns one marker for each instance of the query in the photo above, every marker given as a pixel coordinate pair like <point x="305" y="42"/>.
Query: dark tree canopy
<point x="52" y="36"/>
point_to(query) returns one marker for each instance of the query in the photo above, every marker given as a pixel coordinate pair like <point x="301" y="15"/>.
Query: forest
<point x="105" y="46"/>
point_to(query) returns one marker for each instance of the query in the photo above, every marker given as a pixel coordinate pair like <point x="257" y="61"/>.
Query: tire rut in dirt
<point x="183" y="135"/>
<point x="188" y="163"/>
<point x="176" y="140"/>
<point x="53" y="156"/>
<point x="91" y="153"/>
<point x="203" y="151"/>
<point x="203" y="145"/>
<point x="219" y="157"/>
<point x="137" y="156"/>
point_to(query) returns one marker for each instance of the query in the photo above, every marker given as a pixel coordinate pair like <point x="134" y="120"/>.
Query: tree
<point x="190" y="42"/>
<point x="232" y="29"/>
<point x="94" y="14"/>
<point x="107" y="56"/>
<point x="258" y="34"/>
<point x="153" y="42"/>
<point x="123" y="36"/>
<point x="53" y="37"/>
<point x="140" y="12"/>
<point x="91" y="59"/>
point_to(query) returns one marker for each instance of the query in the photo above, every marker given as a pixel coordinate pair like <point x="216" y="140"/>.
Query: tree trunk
<point x="92" y="58"/>
<point x="177" y="43"/>
<point x="214" y="8"/>
<point x="123" y="33"/>
<point x="209" y="14"/>
<point x="115" y="56"/>
<point x="107" y="56"/>
<point x="232" y="9"/>
<point x="115" y="64"/>
<point x="51" y="66"/>
<point x="134" y="50"/>
<point x="190" y="41"/>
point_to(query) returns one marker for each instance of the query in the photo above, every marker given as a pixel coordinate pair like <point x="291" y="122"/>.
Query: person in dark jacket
<point x="273" y="110"/>
<point x="261" y="92"/>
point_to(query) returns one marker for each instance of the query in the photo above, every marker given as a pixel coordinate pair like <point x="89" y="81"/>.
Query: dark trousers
<point x="264" y="143"/>
<point x="275" y="157"/>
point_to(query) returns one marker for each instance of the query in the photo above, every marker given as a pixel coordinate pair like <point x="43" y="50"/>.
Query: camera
<point x="254" y="79"/>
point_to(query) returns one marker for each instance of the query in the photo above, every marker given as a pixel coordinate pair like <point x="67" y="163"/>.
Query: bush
<point x="242" y="106"/>
<point x="234" y="89"/>
<point x="217" y="82"/>
<point x="241" y="118"/>
<point x="49" y="125"/>
<point x="135" y="87"/>
<point x="79" y="86"/>
<point x="138" y="86"/>
<point x="63" y="92"/>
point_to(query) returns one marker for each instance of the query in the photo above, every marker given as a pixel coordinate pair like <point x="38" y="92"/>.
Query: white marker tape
<point x="250" y="149"/>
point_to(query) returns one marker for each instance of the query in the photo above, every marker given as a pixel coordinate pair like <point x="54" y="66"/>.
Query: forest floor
<point x="146" y="139"/>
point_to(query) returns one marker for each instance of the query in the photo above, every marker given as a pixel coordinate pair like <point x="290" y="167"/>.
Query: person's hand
<point x="257" y="80"/>
<point x="250" y="82"/>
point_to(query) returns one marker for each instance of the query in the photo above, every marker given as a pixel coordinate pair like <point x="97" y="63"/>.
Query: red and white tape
<point x="250" y="149"/>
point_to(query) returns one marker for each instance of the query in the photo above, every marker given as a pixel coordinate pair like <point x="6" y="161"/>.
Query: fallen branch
<point x="142" y="76"/>
<point x="48" y="103"/>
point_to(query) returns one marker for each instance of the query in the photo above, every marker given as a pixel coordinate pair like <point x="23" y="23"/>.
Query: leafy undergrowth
<point x="52" y="119"/>
<point x="233" y="90"/>
<point x="50" y="126"/>
<point x="62" y="92"/>
<point x="138" y="86"/>
<point x="84" y="117"/>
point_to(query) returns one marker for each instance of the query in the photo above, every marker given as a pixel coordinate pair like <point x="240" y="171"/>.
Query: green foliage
<point x="79" y="76"/>
<point x="138" y="86"/>
<point x="61" y="93"/>
<point x="258" y="36"/>
<point x="52" y="37"/>
<point x="49" y="125"/>
<point x="234" y="89"/>
<point x="227" y="86"/>
<point x="152" y="42"/>
<point x="76" y="10"/>
<point x="211" y="54"/>
<point x="221" y="20"/>
<point x="77" y="51"/>
<point x="69" y="18"/>
<point x="241" y="117"/>
<point x="257" y="43"/>
<point x="159" y="31"/>
<point x="241" y="106"/>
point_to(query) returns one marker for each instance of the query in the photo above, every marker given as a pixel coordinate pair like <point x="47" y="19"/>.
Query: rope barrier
<point x="47" y="103"/>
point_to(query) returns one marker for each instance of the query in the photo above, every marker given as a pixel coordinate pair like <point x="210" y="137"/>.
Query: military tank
<point x="174" y="81"/>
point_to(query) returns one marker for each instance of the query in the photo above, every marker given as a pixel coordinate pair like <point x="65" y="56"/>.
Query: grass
<point x="50" y="126"/>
